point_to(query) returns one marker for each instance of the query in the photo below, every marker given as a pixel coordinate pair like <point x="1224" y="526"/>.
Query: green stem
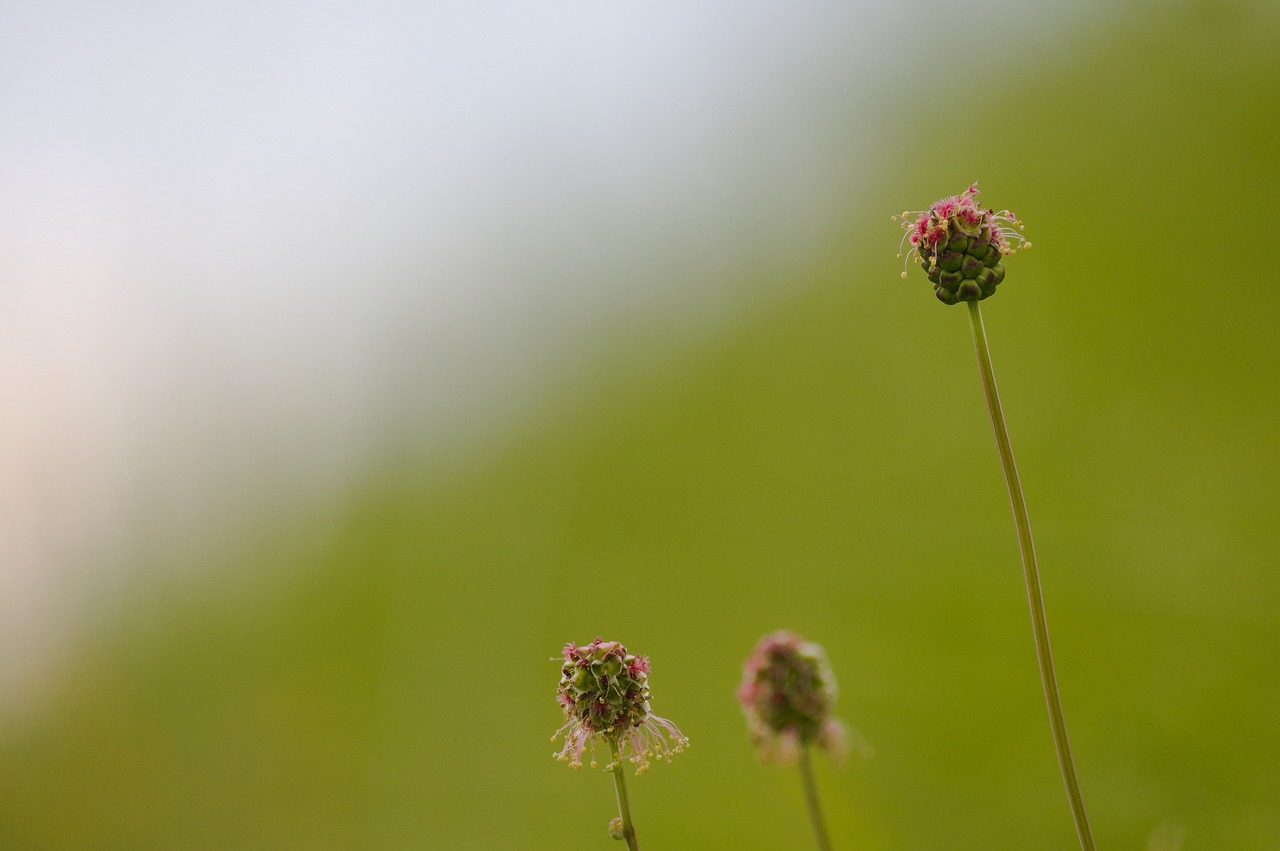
<point x="624" y="809"/>
<point x="1031" y="573"/>
<point x="811" y="797"/>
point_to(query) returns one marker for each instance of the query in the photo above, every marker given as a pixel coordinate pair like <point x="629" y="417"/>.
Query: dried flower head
<point x="788" y="693"/>
<point x="961" y="245"/>
<point x="604" y="692"/>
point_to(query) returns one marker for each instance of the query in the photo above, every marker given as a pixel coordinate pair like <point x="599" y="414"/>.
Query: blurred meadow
<point x="362" y="658"/>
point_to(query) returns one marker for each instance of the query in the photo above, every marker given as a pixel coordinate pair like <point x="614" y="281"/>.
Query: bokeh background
<point x="352" y="360"/>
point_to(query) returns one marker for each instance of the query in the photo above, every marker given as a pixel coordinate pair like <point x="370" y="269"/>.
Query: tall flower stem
<point x="1031" y="573"/>
<point x="624" y="809"/>
<point x="811" y="797"/>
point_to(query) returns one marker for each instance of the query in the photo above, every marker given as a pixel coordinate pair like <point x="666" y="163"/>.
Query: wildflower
<point x="787" y="694"/>
<point x="604" y="692"/>
<point x="961" y="245"/>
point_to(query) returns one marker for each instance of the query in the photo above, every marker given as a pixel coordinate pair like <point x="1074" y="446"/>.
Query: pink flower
<point x="604" y="693"/>
<point x="788" y="693"/>
<point x="961" y="245"/>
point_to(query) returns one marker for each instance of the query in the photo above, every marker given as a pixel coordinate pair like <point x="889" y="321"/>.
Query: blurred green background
<point x="820" y="461"/>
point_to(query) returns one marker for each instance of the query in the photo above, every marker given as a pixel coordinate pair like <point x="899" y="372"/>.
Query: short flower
<point x="604" y="692"/>
<point x="787" y="694"/>
<point x="961" y="246"/>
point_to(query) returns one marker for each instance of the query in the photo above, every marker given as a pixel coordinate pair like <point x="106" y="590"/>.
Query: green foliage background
<point x="823" y="463"/>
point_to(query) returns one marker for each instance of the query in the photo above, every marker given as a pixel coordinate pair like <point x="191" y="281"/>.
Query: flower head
<point x="961" y="245"/>
<point x="787" y="694"/>
<point x="604" y="692"/>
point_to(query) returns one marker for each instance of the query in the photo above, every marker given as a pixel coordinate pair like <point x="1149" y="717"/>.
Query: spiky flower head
<point x="604" y="692"/>
<point x="961" y="246"/>
<point x="788" y="693"/>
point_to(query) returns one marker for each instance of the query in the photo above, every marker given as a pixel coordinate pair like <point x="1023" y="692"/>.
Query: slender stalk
<point x="624" y="809"/>
<point x="811" y="797"/>
<point x="1031" y="573"/>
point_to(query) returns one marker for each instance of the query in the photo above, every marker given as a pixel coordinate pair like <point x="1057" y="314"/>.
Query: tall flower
<point x="961" y="246"/>
<point x="604" y="692"/>
<point x="788" y="693"/>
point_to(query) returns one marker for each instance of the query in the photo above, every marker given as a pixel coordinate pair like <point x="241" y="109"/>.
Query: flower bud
<point x="788" y="693"/>
<point x="961" y="246"/>
<point x="604" y="693"/>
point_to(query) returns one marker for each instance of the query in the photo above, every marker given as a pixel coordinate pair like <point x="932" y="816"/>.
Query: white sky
<point x="237" y="239"/>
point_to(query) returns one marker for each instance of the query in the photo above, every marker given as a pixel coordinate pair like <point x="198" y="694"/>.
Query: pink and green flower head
<point x="604" y="692"/>
<point x="961" y="246"/>
<point x="788" y="693"/>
